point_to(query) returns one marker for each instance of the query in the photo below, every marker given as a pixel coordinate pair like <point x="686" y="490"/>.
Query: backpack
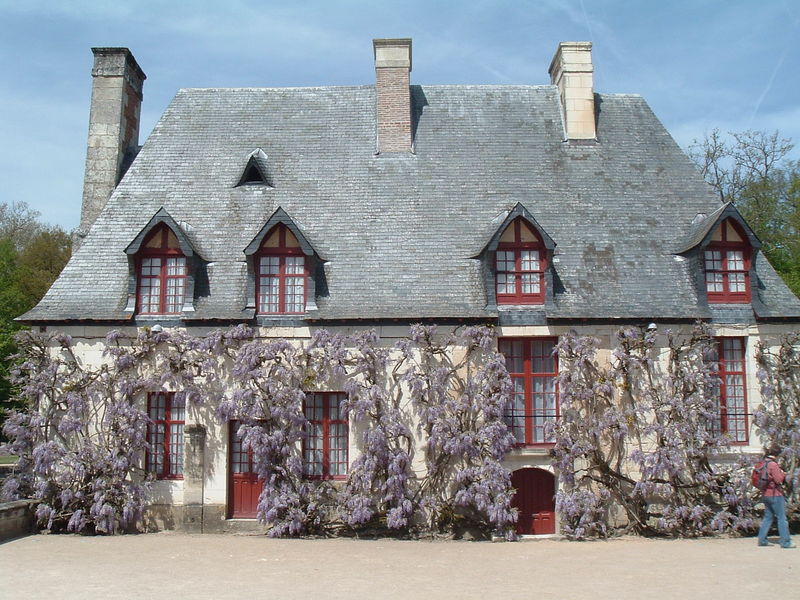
<point x="761" y="477"/>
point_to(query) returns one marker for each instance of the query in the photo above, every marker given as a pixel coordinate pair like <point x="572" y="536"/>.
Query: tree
<point x="753" y="170"/>
<point x="31" y="257"/>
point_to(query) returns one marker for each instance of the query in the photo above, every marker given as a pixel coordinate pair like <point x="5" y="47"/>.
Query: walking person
<point x="774" y="500"/>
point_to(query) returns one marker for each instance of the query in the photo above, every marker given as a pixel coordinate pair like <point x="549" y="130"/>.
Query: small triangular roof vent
<point x="256" y="171"/>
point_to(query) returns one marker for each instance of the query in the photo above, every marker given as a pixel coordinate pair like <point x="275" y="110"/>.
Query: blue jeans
<point x="774" y="507"/>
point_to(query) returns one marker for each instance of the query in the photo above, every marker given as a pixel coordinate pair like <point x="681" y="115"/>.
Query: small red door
<point x="535" y="500"/>
<point x="245" y="486"/>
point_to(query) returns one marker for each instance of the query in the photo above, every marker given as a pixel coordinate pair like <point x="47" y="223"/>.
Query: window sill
<point x="543" y="449"/>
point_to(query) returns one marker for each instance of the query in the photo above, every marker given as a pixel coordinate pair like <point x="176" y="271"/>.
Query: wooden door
<point x="535" y="500"/>
<point x="244" y="485"/>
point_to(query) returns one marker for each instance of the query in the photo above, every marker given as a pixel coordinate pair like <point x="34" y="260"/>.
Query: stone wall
<point x="16" y="519"/>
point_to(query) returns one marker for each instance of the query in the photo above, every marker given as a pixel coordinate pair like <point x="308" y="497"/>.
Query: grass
<point x="8" y="460"/>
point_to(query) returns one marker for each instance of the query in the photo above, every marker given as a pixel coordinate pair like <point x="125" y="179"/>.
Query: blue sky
<point x="730" y="64"/>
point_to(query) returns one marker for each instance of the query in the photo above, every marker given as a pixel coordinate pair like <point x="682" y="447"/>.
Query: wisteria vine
<point x="82" y="438"/>
<point x="640" y="436"/>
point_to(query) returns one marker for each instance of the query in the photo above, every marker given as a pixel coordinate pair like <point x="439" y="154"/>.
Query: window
<point x="728" y="363"/>
<point x="534" y="370"/>
<point x="325" y="446"/>
<point x="727" y="265"/>
<point x="520" y="263"/>
<point x="281" y="279"/>
<point x="161" y="274"/>
<point x="165" y="435"/>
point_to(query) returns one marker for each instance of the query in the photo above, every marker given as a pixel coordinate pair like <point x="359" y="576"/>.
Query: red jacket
<point x="776" y="477"/>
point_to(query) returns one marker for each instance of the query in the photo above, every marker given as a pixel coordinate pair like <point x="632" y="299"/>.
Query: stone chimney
<point x="571" y="70"/>
<point x="113" y="128"/>
<point x="392" y="69"/>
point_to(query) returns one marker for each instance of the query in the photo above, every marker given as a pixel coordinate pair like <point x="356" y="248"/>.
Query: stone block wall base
<point x="194" y="518"/>
<point x="16" y="519"/>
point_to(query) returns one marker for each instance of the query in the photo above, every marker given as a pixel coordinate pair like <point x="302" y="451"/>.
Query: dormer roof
<point x="162" y="217"/>
<point x="703" y="228"/>
<point x="519" y="211"/>
<point x="279" y="217"/>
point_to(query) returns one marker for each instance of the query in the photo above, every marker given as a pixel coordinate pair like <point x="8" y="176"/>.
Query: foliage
<point x="777" y="419"/>
<point x="80" y="439"/>
<point x="638" y="435"/>
<point x="460" y="406"/>
<point x="753" y="170"/>
<point x="83" y="435"/>
<point x="31" y="257"/>
<point x="379" y="487"/>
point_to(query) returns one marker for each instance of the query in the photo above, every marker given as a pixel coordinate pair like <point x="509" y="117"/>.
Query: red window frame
<point x="242" y="461"/>
<point x="165" y="435"/>
<point x="325" y="447"/>
<point x="730" y="368"/>
<point x="161" y="275"/>
<point x="724" y="270"/>
<point x="515" y="263"/>
<point x="280" y="263"/>
<point x="533" y="368"/>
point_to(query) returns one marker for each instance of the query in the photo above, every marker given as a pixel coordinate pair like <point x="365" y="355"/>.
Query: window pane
<point x="268" y="296"/>
<point x="733" y="351"/>
<point x="713" y="282"/>
<point x="151" y="267"/>
<point x="530" y="283"/>
<point x="736" y="282"/>
<point x="713" y="260"/>
<point x="295" y="294"/>
<point x="735" y="260"/>
<point x="176" y="266"/>
<point x="294" y="265"/>
<point x="512" y="350"/>
<point x="505" y="261"/>
<point x="175" y="288"/>
<point x="270" y="265"/>
<point x="530" y="260"/>
<point x="515" y="413"/>
<point x="506" y="284"/>
<point x="176" y="449"/>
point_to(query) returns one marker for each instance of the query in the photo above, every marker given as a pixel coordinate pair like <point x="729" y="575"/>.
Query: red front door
<point x="535" y="500"/>
<point x="244" y="485"/>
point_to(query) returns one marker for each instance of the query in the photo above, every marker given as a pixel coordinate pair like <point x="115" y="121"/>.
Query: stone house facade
<point x="534" y="208"/>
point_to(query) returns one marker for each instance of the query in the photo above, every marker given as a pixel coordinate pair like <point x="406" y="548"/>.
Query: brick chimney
<point x="571" y="70"/>
<point x="113" y="128"/>
<point x="392" y="69"/>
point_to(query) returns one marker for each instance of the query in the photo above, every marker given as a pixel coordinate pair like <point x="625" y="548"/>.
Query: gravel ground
<point x="173" y="565"/>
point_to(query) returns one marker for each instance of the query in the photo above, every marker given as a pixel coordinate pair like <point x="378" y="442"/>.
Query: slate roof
<point x="400" y="234"/>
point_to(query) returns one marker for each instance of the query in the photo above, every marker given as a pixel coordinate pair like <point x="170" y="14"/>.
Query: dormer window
<point x="520" y="263"/>
<point x="727" y="265"/>
<point x="161" y="274"/>
<point x="281" y="273"/>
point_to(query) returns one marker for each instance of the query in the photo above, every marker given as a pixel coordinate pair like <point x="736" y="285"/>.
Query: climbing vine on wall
<point x="777" y="419"/>
<point x="638" y="433"/>
<point x="83" y="434"/>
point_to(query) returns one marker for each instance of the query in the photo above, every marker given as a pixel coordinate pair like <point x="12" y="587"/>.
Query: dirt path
<point x="171" y="565"/>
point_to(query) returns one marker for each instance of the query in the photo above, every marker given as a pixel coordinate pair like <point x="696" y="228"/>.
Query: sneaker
<point x="789" y="545"/>
<point x="763" y="544"/>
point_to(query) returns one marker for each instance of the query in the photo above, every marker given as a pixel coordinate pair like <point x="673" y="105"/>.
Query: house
<point x="534" y="208"/>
